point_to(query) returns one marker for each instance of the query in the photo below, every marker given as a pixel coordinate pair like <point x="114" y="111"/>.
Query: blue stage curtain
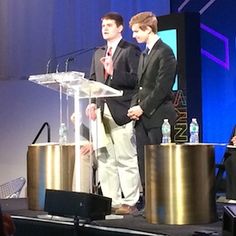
<point x="32" y="32"/>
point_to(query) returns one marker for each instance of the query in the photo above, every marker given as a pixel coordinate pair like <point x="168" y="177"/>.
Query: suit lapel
<point x="151" y="55"/>
<point x="100" y="67"/>
<point x="117" y="51"/>
<point x="141" y="66"/>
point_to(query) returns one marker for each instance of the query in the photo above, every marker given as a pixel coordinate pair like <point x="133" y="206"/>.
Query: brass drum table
<point x="180" y="182"/>
<point x="49" y="165"/>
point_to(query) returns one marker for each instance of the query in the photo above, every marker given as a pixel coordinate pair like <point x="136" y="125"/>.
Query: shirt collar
<point x="150" y="45"/>
<point x="113" y="44"/>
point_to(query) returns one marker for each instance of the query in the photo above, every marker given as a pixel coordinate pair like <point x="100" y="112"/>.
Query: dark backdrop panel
<point x="32" y="32"/>
<point x="188" y="96"/>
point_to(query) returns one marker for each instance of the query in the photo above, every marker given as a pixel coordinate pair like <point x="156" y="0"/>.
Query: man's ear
<point x="149" y="29"/>
<point x="121" y="27"/>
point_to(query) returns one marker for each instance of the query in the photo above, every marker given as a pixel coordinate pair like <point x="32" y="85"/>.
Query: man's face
<point x="110" y="31"/>
<point x="140" y="35"/>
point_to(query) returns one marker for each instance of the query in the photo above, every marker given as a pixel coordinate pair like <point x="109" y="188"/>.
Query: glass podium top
<point x="73" y="82"/>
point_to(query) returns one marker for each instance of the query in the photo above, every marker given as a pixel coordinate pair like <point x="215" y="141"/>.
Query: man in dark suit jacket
<point x="153" y="101"/>
<point x="116" y="65"/>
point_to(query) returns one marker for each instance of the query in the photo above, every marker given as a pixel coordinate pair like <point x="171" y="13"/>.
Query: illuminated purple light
<point x="225" y="40"/>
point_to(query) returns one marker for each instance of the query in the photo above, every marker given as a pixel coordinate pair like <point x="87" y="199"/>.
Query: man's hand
<point x="91" y="111"/>
<point x="86" y="149"/>
<point x="108" y="64"/>
<point x="72" y="118"/>
<point x="135" y="112"/>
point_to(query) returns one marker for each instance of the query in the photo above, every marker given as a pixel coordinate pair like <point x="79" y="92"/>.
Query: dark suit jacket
<point x="154" y="90"/>
<point x="125" y="62"/>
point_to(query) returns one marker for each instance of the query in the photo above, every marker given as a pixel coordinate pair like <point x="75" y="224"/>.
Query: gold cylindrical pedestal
<point x="179" y="182"/>
<point x="49" y="166"/>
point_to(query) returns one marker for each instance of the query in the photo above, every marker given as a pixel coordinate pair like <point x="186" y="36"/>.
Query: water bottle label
<point x="165" y="128"/>
<point x="166" y="140"/>
<point x="62" y="134"/>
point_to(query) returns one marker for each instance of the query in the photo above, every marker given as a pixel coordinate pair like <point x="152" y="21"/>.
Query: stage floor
<point x="28" y="226"/>
<point x="139" y="223"/>
<point x="129" y="223"/>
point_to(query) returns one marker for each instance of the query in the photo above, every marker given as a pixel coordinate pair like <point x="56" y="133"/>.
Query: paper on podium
<point x="98" y="133"/>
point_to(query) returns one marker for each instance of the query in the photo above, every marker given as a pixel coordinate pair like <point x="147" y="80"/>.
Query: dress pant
<point x="145" y="137"/>
<point x="118" y="171"/>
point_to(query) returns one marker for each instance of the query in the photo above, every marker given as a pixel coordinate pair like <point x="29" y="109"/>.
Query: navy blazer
<point x="154" y="89"/>
<point x="125" y="63"/>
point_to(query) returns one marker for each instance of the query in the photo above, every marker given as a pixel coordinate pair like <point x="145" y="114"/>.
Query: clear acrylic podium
<point x="73" y="84"/>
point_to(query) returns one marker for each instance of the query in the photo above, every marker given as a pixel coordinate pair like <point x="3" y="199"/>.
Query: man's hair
<point x="145" y="19"/>
<point x="114" y="16"/>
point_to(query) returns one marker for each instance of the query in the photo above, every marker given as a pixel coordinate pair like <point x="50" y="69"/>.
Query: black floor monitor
<point x="86" y="206"/>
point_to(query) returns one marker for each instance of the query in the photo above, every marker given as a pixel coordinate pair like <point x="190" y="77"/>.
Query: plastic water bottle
<point x="62" y="134"/>
<point x="165" y="129"/>
<point x="194" y="131"/>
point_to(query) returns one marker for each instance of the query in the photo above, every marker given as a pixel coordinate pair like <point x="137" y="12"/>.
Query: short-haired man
<point x="156" y="74"/>
<point x="116" y="65"/>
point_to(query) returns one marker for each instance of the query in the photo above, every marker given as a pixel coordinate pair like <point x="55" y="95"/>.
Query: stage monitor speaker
<point x="229" y="221"/>
<point x="86" y="206"/>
